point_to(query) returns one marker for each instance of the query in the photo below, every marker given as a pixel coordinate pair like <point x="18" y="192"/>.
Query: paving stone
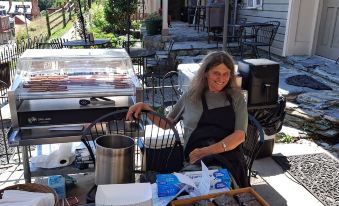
<point x="290" y="105"/>
<point x="329" y="133"/>
<point x="324" y="144"/>
<point x="296" y="58"/>
<point x="319" y="100"/>
<point x="303" y="115"/>
<point x="336" y="147"/>
<point x="300" y="67"/>
<point x="332" y="116"/>
<point x="312" y="63"/>
<point x="329" y="71"/>
<point x="322" y="126"/>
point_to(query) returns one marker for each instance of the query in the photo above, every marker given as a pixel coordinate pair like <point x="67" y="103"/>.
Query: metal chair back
<point x="253" y="143"/>
<point x="265" y="35"/>
<point x="156" y="149"/>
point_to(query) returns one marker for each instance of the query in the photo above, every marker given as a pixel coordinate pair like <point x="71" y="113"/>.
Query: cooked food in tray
<point x="54" y="83"/>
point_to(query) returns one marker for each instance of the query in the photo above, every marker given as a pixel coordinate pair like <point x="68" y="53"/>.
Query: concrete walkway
<point x="279" y="188"/>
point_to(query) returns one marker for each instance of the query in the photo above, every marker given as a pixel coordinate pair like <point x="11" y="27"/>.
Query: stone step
<point x="194" y="48"/>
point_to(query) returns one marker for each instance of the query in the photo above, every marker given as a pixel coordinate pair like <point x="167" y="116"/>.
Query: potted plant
<point x="153" y="24"/>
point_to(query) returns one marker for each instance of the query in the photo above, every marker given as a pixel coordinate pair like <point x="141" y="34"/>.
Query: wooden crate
<point x="190" y="201"/>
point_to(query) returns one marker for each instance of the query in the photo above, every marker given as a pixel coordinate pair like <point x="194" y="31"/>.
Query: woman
<point x="214" y="116"/>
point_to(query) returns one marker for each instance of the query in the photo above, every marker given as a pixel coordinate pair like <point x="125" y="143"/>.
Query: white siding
<point x="272" y="10"/>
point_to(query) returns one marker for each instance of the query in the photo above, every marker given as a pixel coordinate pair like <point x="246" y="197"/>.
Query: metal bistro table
<point x="86" y="44"/>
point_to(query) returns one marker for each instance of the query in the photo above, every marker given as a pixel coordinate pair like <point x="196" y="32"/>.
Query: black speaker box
<point x="261" y="80"/>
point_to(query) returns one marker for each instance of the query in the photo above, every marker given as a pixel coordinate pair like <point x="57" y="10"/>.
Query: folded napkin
<point x="23" y="198"/>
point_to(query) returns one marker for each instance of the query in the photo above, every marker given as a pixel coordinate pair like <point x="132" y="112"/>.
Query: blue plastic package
<point x="57" y="182"/>
<point x="168" y="185"/>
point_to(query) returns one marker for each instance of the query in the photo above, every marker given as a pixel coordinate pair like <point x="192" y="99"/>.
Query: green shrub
<point x="136" y="25"/>
<point x="117" y="12"/>
<point x="98" y="19"/>
<point x="285" y="138"/>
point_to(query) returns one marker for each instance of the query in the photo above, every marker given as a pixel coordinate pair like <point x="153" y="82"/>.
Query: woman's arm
<point x="228" y="143"/>
<point x="135" y="110"/>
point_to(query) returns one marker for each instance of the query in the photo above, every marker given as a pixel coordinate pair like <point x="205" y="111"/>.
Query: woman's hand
<point x="135" y="110"/>
<point x="198" y="154"/>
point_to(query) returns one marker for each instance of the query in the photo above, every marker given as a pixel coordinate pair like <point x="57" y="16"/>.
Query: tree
<point x="117" y="14"/>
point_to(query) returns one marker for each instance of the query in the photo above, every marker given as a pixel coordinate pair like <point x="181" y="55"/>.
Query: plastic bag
<point x="272" y="118"/>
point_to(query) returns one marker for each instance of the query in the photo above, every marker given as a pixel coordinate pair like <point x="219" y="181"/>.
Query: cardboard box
<point x="190" y="201"/>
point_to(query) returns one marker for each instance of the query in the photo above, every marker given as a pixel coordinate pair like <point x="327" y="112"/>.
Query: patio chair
<point x="200" y="15"/>
<point x="170" y="91"/>
<point x="161" y="57"/>
<point x="162" y="62"/>
<point x="163" y="92"/>
<point x="52" y="44"/>
<point x="263" y="35"/>
<point x="158" y="150"/>
<point x="234" y="33"/>
<point x="253" y="143"/>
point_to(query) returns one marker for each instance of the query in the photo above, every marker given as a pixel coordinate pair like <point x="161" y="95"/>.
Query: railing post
<point x="70" y="11"/>
<point x="48" y="25"/>
<point x="63" y="16"/>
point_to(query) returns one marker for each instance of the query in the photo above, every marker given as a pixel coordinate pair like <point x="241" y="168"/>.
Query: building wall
<point x="272" y="10"/>
<point x="152" y="6"/>
<point x="5" y="37"/>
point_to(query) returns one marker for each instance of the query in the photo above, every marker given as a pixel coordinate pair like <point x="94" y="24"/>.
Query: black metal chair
<point x="253" y="143"/>
<point x="200" y="15"/>
<point x="263" y="35"/>
<point x="159" y="150"/>
<point x="53" y="44"/>
<point x="163" y="92"/>
<point x="170" y="90"/>
<point x="162" y="58"/>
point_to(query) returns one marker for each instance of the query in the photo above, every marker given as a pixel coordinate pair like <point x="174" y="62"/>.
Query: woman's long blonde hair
<point x="199" y="83"/>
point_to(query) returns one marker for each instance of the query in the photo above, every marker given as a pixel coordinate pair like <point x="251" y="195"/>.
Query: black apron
<point x="213" y="126"/>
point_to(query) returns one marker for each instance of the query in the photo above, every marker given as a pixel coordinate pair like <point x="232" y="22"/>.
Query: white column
<point x="164" y="31"/>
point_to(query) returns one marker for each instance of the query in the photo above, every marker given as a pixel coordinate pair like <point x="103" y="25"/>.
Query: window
<point x="253" y="4"/>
